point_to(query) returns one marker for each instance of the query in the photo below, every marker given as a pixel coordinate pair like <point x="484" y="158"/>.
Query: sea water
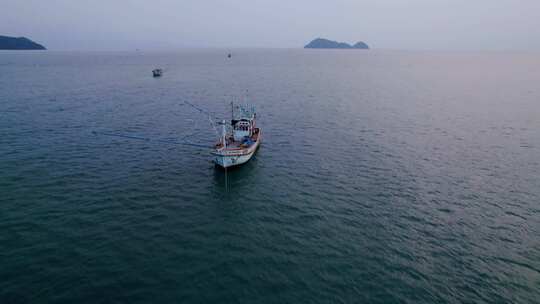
<point x="383" y="177"/>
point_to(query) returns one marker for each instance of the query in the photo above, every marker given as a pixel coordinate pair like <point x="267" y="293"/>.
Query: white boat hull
<point x="228" y="158"/>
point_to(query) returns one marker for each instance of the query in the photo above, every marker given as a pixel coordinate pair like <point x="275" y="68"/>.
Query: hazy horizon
<point x="387" y="24"/>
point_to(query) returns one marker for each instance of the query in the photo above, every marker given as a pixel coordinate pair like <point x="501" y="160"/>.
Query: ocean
<point x="383" y="177"/>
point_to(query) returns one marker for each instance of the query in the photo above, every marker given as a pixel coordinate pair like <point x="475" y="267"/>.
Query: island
<point x="321" y="43"/>
<point x="19" y="43"/>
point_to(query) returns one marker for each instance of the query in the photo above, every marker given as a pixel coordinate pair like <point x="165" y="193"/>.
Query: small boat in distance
<point x="229" y="56"/>
<point x="157" y="72"/>
<point x="240" y="144"/>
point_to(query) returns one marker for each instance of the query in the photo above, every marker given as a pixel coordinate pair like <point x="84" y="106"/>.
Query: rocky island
<point x="321" y="43"/>
<point x="19" y="43"/>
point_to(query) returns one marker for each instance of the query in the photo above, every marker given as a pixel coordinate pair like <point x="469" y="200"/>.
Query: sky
<point x="172" y="24"/>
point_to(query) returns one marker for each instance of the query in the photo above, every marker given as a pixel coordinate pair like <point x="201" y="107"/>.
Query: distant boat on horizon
<point x="157" y="72"/>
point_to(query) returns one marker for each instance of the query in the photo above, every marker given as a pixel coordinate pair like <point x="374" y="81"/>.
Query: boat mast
<point x="224" y="134"/>
<point x="232" y="111"/>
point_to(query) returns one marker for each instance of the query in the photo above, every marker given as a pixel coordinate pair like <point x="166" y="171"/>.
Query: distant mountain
<point x="361" y="45"/>
<point x="20" y="43"/>
<point x="321" y="43"/>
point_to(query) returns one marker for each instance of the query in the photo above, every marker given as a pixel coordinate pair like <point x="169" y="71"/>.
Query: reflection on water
<point x="236" y="178"/>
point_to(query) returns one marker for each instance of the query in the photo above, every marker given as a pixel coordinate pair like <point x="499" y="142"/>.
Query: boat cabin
<point x="241" y="129"/>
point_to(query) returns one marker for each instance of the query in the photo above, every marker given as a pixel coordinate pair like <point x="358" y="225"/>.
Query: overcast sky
<point x="170" y="24"/>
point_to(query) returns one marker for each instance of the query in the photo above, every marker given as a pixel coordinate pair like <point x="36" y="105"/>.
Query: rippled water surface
<point x="384" y="177"/>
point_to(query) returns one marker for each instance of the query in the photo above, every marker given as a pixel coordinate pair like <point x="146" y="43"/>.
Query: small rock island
<point x="19" y="43"/>
<point x="321" y="43"/>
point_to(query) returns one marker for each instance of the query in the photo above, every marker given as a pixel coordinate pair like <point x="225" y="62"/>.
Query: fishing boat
<point x="157" y="72"/>
<point x="237" y="146"/>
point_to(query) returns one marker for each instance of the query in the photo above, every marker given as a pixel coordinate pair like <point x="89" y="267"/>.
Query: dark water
<point x="384" y="177"/>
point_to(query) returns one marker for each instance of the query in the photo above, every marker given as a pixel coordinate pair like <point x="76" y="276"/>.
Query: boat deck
<point x="237" y="145"/>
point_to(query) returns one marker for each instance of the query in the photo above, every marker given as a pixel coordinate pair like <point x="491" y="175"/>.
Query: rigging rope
<point x="204" y="112"/>
<point x="181" y="141"/>
<point x="168" y="141"/>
